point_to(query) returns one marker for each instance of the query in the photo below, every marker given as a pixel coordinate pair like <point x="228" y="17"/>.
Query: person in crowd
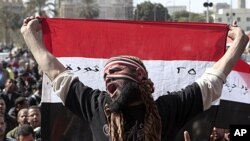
<point x="26" y="83"/>
<point x="4" y="75"/>
<point x="34" y="119"/>
<point x="21" y="86"/>
<point x="10" y="122"/>
<point x="127" y="110"/>
<point x="3" y="129"/>
<point x="25" y="133"/>
<point x="35" y="98"/>
<point x="220" y="134"/>
<point x="20" y="103"/>
<point x="35" y="71"/>
<point x="8" y="68"/>
<point x="10" y="93"/>
<point x="22" y="118"/>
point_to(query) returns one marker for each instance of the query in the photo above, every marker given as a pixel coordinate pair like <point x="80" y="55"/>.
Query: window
<point x="248" y="19"/>
<point x="238" y="19"/>
<point x="219" y="20"/>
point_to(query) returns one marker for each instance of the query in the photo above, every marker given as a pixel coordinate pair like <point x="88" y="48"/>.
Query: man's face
<point x="121" y="91"/>
<point x="2" y="126"/>
<point x="23" y="116"/>
<point x="34" y="117"/>
<point x="2" y="106"/>
<point x="218" y="134"/>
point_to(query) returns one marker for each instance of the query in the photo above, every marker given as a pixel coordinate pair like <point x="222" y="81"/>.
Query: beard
<point x="130" y="92"/>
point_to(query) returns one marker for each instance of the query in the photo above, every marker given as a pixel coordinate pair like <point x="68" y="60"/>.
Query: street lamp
<point x="155" y="12"/>
<point x="207" y="4"/>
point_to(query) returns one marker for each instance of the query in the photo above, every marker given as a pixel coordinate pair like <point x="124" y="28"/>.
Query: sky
<point x="192" y="5"/>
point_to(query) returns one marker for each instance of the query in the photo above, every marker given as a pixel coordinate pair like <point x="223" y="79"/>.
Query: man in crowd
<point x="22" y="118"/>
<point x="25" y="133"/>
<point x="34" y="119"/>
<point x="3" y="129"/>
<point x="220" y="134"/>
<point x="127" y="110"/>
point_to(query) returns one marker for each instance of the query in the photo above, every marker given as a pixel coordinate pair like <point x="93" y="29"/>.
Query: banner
<point x="175" y="54"/>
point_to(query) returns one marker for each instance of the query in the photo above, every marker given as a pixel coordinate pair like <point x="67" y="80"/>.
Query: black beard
<point x="130" y="92"/>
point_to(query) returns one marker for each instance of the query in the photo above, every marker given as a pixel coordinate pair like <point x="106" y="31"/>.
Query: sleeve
<point x="211" y="84"/>
<point x="61" y="84"/>
<point x="176" y="108"/>
<point x="77" y="97"/>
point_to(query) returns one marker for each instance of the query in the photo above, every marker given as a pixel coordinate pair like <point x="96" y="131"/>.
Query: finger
<point x="211" y="138"/>
<point x="186" y="136"/>
<point x="26" y="20"/>
<point x="234" y="23"/>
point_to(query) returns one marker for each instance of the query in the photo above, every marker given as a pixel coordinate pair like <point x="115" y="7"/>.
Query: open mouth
<point x="111" y="88"/>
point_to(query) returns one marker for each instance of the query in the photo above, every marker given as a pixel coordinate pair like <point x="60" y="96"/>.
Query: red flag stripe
<point x="147" y="40"/>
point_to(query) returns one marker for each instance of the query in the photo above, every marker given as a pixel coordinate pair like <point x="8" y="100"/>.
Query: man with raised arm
<point x="127" y="110"/>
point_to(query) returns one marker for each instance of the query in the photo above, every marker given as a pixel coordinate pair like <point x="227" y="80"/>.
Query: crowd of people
<point x="20" y="97"/>
<point x="217" y="134"/>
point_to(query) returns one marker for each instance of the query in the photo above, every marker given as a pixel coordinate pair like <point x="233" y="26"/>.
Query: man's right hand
<point x="47" y="61"/>
<point x="31" y="24"/>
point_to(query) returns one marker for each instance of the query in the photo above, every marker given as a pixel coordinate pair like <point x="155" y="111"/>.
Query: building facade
<point x="108" y="9"/>
<point x="227" y="14"/>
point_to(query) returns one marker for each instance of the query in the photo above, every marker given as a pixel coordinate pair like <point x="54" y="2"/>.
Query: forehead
<point x="1" y="119"/>
<point x="24" y="112"/>
<point x="116" y="65"/>
<point x="26" y="138"/>
<point x="2" y="101"/>
<point x="33" y="111"/>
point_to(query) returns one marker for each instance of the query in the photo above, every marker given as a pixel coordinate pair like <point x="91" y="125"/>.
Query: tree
<point x="148" y="11"/>
<point x="89" y="9"/>
<point x="184" y="16"/>
<point x="45" y="8"/>
<point x="10" y="22"/>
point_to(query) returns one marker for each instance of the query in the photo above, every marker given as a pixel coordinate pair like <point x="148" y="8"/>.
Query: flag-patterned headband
<point x="130" y="61"/>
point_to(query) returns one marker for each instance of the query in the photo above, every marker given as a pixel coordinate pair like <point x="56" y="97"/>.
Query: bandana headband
<point x="126" y="61"/>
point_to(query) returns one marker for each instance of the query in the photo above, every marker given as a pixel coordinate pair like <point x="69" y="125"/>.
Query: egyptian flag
<point x="175" y="55"/>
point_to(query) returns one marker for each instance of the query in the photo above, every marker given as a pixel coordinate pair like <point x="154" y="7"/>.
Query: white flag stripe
<point x="166" y="75"/>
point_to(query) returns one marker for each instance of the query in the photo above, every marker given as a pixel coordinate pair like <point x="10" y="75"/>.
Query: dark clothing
<point x="9" y="99"/>
<point x="10" y="123"/>
<point x="34" y="99"/>
<point x="9" y="139"/>
<point x="175" y="110"/>
<point x="13" y="113"/>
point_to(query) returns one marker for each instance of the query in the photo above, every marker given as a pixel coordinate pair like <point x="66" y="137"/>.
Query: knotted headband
<point x="129" y="61"/>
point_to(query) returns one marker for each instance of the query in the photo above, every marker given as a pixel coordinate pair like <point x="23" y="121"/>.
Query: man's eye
<point x="105" y="75"/>
<point x="114" y="70"/>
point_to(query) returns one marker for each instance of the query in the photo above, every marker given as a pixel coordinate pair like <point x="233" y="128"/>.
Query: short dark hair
<point x="20" y="100"/>
<point x="25" y="130"/>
